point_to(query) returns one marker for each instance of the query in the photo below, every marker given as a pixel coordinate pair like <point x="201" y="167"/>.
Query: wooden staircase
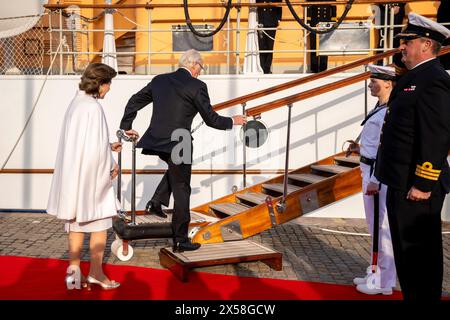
<point x="257" y="208"/>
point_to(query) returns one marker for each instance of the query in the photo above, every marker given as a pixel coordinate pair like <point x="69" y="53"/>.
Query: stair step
<point x="306" y="177"/>
<point x="350" y="159"/>
<point x="279" y="187"/>
<point x="253" y="197"/>
<point x="228" y="208"/>
<point x="331" y="168"/>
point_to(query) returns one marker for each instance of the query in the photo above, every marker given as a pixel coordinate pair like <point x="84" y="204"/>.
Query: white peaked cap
<point x="419" y="26"/>
<point x="381" y="72"/>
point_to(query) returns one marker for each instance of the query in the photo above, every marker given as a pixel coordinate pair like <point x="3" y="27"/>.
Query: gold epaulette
<point x="426" y="171"/>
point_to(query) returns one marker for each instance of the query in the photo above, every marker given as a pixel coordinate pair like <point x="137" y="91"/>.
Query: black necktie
<point x="377" y="108"/>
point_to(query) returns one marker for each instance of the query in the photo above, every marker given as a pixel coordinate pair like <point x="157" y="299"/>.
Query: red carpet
<point x="32" y="278"/>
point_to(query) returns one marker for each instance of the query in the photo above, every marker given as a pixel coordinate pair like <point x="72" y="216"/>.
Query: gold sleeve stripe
<point x="426" y="176"/>
<point x="428" y="167"/>
<point x="427" y="173"/>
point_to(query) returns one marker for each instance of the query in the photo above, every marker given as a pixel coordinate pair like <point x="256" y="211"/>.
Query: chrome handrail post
<point x="244" y="150"/>
<point x="60" y="41"/>
<point x="281" y="206"/>
<point x="305" y="40"/>
<point x="238" y="33"/>
<point x="365" y="94"/>
<point x="133" y="183"/>
<point x="149" y="37"/>
<point x="119" y="175"/>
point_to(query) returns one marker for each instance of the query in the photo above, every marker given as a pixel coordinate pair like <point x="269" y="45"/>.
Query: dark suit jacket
<point x="415" y="138"/>
<point x="176" y="97"/>
<point x="269" y="17"/>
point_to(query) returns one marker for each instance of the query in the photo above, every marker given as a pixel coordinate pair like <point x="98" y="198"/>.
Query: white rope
<point x="344" y="232"/>
<point x="355" y="233"/>
<point x="128" y="19"/>
<point x="279" y="40"/>
<point x="34" y="107"/>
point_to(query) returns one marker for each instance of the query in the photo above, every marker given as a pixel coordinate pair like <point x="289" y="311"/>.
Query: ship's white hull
<point x="319" y="128"/>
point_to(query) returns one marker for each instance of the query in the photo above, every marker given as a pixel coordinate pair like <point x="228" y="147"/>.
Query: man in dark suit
<point x="316" y="14"/>
<point x="412" y="159"/>
<point x="177" y="97"/>
<point x="268" y="17"/>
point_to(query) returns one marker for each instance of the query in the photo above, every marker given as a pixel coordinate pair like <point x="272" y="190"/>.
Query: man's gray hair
<point x="190" y="58"/>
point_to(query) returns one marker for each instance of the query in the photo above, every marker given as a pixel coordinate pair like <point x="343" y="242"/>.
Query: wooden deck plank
<point x="217" y="254"/>
<point x="279" y="187"/>
<point x="253" y="197"/>
<point x="350" y="159"/>
<point x="331" y="168"/>
<point x="228" y="208"/>
<point x="195" y="217"/>
<point x="306" y="177"/>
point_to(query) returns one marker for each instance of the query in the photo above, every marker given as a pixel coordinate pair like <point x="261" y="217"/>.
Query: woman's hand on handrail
<point x="116" y="146"/>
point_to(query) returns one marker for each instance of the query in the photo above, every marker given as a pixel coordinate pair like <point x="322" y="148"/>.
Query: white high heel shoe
<point x="112" y="285"/>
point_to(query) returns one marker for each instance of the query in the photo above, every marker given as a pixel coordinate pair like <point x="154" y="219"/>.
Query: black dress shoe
<point x="156" y="210"/>
<point x="185" y="246"/>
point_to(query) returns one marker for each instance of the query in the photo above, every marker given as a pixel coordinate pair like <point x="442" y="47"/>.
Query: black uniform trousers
<point x="417" y="242"/>
<point x="176" y="180"/>
<point x="266" y="43"/>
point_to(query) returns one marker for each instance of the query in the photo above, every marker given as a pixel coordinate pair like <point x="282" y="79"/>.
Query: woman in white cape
<point x="82" y="193"/>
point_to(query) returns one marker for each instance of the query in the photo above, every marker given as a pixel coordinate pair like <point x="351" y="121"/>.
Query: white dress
<point x="82" y="193"/>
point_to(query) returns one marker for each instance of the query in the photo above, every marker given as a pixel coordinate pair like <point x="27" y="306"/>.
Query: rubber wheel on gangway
<point x="117" y="250"/>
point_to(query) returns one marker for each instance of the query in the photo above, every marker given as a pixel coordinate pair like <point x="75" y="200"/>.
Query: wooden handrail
<point x="294" y="83"/>
<point x="316" y="91"/>
<point x="214" y="5"/>
<point x="306" y="94"/>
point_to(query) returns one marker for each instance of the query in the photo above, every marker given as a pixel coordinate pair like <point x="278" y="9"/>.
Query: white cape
<point x="81" y="187"/>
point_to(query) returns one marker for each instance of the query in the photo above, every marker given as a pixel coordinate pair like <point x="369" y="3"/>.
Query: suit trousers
<point x="176" y="180"/>
<point x="266" y="43"/>
<point x="417" y="241"/>
<point x="386" y="275"/>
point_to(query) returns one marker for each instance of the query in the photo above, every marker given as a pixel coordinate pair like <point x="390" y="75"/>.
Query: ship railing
<point x="73" y="59"/>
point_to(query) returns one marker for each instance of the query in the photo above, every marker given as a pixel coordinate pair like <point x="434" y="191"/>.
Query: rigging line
<point x="128" y="19"/>
<point x="33" y="109"/>
<point x="279" y="40"/>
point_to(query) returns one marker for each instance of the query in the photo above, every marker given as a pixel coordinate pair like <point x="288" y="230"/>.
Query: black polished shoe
<point x="150" y="208"/>
<point x="186" y="246"/>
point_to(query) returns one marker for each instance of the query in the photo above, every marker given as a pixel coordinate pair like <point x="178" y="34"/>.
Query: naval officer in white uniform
<point x="381" y="84"/>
